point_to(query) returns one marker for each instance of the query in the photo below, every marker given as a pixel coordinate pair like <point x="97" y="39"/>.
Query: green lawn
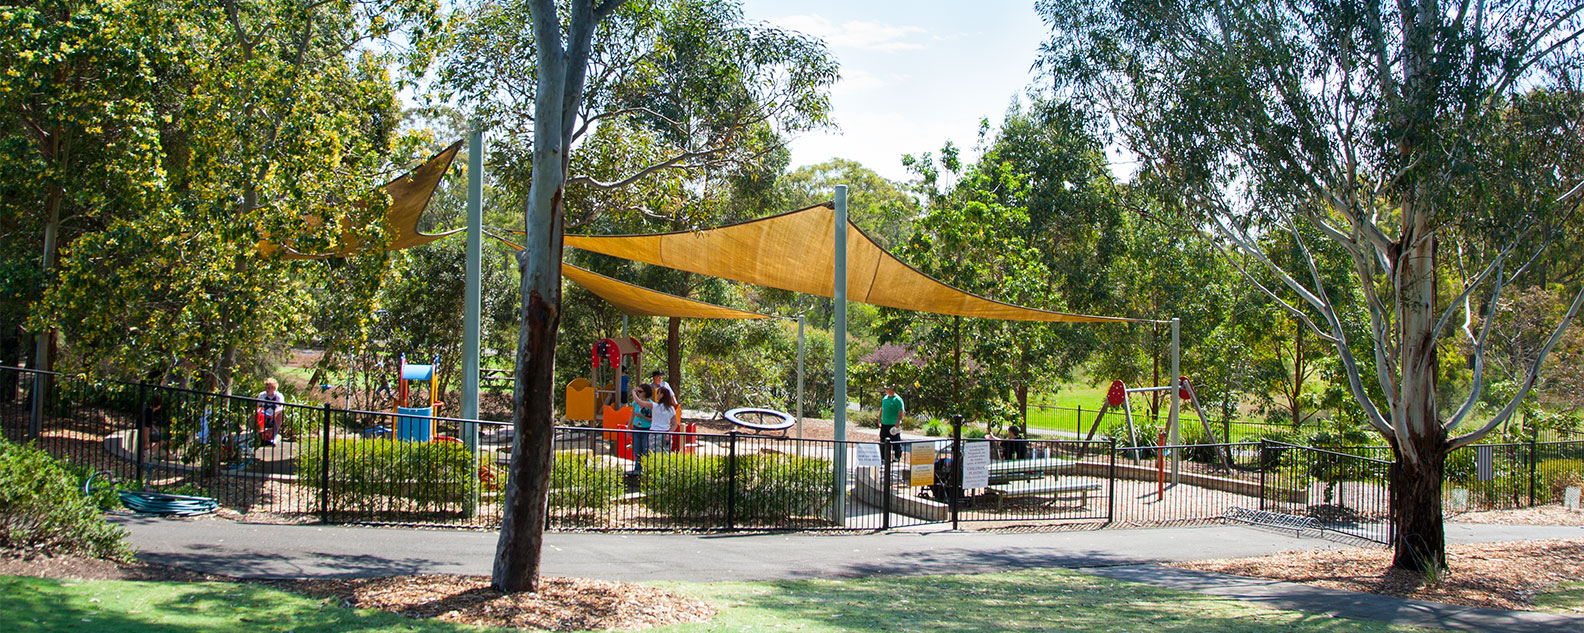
<point x="1567" y="597"/>
<point x="1045" y="600"/>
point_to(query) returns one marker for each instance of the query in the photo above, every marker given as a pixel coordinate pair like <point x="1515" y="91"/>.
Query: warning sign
<point x="976" y="465"/>
<point x="922" y="460"/>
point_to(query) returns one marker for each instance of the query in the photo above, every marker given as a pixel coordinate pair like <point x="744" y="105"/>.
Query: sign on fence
<point x="867" y="455"/>
<point x="976" y="465"/>
<point x="1484" y="460"/>
<point x="922" y="460"/>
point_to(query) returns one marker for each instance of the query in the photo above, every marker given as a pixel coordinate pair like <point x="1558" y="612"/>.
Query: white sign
<point x="922" y="460"/>
<point x="1570" y="498"/>
<point x="976" y="465"/>
<point x="868" y="455"/>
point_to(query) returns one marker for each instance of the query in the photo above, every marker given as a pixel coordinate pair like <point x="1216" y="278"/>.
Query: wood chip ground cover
<point x="1492" y="575"/>
<point x="562" y="604"/>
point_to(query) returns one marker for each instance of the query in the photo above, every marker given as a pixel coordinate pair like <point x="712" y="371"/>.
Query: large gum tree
<point x="1385" y="129"/>
<point x="692" y="88"/>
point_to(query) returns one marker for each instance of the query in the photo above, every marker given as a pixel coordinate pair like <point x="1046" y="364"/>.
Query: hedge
<point x="582" y="481"/>
<point x="383" y="475"/>
<point x="43" y="507"/>
<point x="770" y="488"/>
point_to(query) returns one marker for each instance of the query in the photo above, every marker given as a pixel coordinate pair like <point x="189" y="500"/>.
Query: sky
<point x="914" y="74"/>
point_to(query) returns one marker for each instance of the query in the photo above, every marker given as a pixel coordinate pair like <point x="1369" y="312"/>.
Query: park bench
<point x="1011" y="470"/>
<point x="1047" y="487"/>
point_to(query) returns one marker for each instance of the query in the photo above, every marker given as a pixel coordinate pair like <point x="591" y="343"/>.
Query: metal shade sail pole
<point x="1176" y="433"/>
<point x="839" y="297"/>
<point x="472" y="298"/>
<point x="800" y="379"/>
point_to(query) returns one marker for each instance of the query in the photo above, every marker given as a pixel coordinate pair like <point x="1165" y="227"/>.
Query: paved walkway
<point x="263" y="551"/>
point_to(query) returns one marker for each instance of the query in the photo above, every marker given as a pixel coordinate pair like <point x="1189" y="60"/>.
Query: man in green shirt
<point x="892" y="410"/>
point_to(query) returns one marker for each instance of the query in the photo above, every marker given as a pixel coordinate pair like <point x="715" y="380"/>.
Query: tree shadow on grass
<point x="1041" y="600"/>
<point x="133" y="607"/>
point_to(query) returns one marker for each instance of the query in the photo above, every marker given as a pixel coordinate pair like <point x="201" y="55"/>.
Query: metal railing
<point x="337" y="465"/>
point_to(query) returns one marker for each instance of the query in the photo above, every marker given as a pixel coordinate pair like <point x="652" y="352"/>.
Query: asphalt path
<point x="250" y="550"/>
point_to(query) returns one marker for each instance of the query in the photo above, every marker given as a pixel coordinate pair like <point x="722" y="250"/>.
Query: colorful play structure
<point x="602" y="397"/>
<point x="416" y="423"/>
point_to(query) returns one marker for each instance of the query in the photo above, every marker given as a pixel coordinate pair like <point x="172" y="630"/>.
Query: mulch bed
<point x="561" y="604"/>
<point x="1491" y="575"/>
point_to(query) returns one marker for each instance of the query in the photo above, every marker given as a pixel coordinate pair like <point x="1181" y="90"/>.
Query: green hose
<point x="157" y="502"/>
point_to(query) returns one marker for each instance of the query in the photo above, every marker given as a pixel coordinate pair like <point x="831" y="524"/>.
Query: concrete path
<point x="265" y="551"/>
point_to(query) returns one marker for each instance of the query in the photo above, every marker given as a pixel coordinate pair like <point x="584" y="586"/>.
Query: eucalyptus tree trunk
<point x="1420" y="442"/>
<point x="673" y="353"/>
<point x="562" y="65"/>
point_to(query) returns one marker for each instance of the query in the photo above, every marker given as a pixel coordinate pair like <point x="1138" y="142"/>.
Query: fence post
<point x="137" y="424"/>
<point x="731" y="480"/>
<point x="1111" y="485"/>
<point x="324" y="466"/>
<point x="1078" y="423"/>
<point x="954" y="486"/>
<point x="36" y="416"/>
<point x="1533" y="446"/>
<point x="885" y="496"/>
<point x="1259" y="462"/>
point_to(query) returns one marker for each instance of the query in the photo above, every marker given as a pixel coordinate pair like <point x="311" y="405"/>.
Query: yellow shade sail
<point x="409" y="196"/>
<point x="795" y="251"/>
<point x="641" y="301"/>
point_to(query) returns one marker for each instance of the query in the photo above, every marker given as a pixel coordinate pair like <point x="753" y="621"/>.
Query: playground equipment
<point x="1117" y="396"/>
<point x="587" y="398"/>
<point x="623" y="355"/>
<point x="782" y="421"/>
<point x="416" y="423"/>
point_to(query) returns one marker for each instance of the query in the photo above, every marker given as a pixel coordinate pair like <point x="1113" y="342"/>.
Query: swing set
<point x="1117" y="397"/>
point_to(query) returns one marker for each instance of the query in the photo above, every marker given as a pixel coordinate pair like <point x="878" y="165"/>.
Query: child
<point x="273" y="408"/>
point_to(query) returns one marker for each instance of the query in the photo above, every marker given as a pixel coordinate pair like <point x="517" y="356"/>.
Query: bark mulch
<point x="1491" y="575"/>
<point x="561" y="604"/>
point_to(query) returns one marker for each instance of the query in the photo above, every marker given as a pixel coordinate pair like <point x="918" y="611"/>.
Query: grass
<point x="35" y="604"/>
<point x="1567" y="597"/>
<point x="1042" y="600"/>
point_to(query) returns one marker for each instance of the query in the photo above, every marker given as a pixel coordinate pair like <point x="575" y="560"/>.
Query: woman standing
<point x="643" y="408"/>
<point x="665" y="412"/>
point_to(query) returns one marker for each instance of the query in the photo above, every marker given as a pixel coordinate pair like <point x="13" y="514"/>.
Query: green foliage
<point x="935" y="428"/>
<point x="380" y="476"/>
<point x="579" y="481"/>
<point x="1554" y="476"/>
<point x="42" y="507"/>
<point x="770" y="488"/>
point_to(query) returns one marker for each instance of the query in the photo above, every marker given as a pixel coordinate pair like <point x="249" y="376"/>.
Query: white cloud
<point x="859" y="34"/>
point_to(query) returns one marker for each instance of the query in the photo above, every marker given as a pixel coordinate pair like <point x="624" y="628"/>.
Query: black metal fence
<point x="323" y="464"/>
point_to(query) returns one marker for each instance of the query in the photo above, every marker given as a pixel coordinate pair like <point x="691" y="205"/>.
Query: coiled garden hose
<point x="157" y="502"/>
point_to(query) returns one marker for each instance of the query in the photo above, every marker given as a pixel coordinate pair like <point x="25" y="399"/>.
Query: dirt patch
<point x="562" y="604"/>
<point x="1491" y="575"/>
<point x="1538" y="515"/>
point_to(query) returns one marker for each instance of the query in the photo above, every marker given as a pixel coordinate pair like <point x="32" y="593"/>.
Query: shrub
<point x="865" y="419"/>
<point x="581" y="481"/>
<point x="1200" y="447"/>
<point x="383" y="475"/>
<point x="1553" y="476"/>
<point x="42" y="506"/>
<point x="935" y="428"/>
<point x="770" y="488"/>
